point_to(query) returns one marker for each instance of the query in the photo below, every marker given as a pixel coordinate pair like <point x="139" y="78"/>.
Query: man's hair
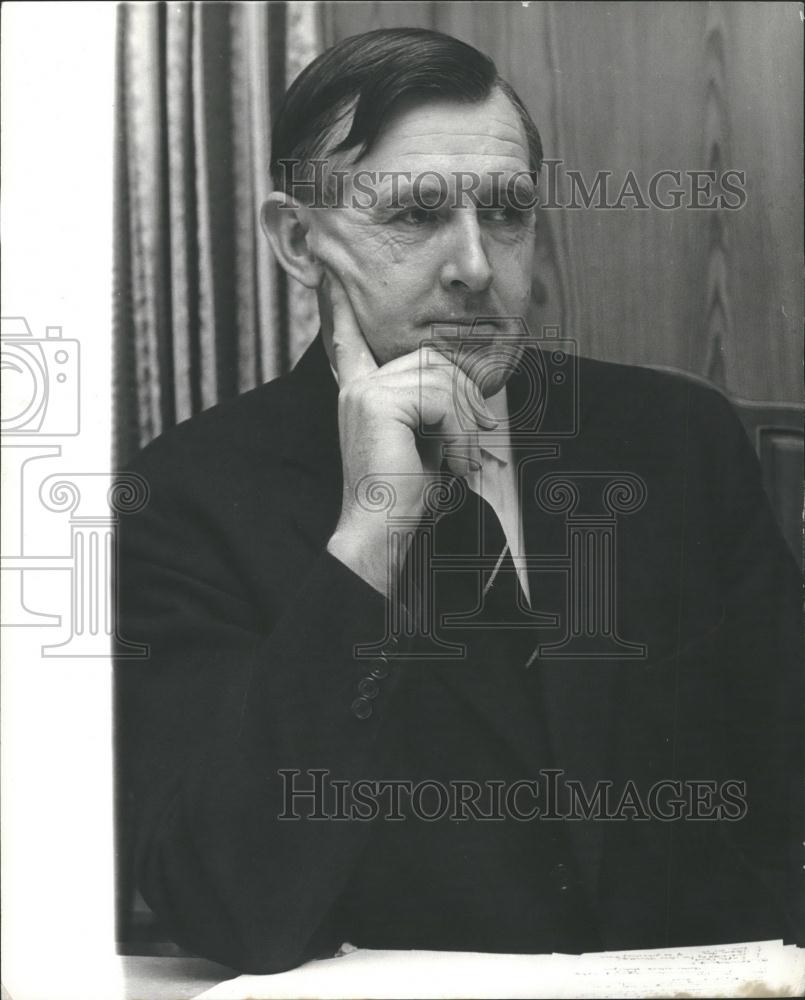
<point x="371" y="75"/>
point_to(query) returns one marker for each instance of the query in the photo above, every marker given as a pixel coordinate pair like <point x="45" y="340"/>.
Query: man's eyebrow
<point x="429" y="195"/>
<point x="498" y="178"/>
<point x="492" y="191"/>
<point x="505" y="191"/>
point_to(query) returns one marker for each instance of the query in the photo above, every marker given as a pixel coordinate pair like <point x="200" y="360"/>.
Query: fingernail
<point x="460" y="465"/>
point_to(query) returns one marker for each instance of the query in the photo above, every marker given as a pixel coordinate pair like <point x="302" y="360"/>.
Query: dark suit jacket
<point x="252" y="626"/>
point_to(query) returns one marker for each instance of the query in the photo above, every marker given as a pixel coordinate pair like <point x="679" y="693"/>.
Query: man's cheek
<point x="382" y="251"/>
<point x="514" y="275"/>
<point x="330" y="238"/>
<point x="384" y="266"/>
<point x="338" y="259"/>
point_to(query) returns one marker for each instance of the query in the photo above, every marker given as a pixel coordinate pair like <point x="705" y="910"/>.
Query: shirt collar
<point x="490" y="441"/>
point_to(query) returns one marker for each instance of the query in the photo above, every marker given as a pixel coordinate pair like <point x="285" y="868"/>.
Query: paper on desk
<point x="759" y="969"/>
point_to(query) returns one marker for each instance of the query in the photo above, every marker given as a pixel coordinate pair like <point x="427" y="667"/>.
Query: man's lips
<point x="463" y="321"/>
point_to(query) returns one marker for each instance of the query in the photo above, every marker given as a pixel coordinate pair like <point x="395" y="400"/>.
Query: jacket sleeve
<point x="230" y="695"/>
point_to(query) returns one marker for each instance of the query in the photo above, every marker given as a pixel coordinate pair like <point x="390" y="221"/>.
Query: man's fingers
<point x="351" y="353"/>
<point x="419" y="400"/>
<point x="472" y="396"/>
<point x="467" y="397"/>
<point x="432" y="405"/>
<point x="462" y="403"/>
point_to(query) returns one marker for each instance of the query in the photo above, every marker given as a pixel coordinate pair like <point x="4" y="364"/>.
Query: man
<point x="392" y="573"/>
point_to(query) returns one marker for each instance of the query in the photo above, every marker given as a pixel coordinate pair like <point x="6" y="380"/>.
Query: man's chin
<point x="488" y="352"/>
<point x="490" y="365"/>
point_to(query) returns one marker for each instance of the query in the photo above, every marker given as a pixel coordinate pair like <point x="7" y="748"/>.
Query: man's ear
<point x="284" y="223"/>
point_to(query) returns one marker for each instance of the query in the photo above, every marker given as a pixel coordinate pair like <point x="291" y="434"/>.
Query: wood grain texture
<point x="646" y="87"/>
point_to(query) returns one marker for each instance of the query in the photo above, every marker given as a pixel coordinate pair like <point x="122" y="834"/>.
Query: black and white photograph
<point x="402" y="435"/>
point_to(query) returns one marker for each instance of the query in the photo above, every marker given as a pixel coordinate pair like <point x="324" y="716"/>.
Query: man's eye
<point x="506" y="214"/>
<point x="417" y="217"/>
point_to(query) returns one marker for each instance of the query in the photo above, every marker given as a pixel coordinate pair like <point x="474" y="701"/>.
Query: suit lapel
<point x="310" y="446"/>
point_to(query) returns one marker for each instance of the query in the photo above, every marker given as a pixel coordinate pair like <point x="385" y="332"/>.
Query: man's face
<point x="406" y="268"/>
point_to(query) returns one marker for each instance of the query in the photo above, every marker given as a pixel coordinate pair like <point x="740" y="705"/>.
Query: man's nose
<point x="466" y="267"/>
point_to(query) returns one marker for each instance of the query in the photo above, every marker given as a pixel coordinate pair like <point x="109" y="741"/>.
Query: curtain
<point x="202" y="310"/>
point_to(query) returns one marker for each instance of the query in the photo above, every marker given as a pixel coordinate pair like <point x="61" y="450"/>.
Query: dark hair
<point x="371" y="74"/>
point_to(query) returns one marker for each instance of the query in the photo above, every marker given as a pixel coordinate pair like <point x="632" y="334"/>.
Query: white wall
<point x="57" y="141"/>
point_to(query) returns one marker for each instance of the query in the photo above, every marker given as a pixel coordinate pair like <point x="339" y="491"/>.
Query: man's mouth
<point x="464" y="322"/>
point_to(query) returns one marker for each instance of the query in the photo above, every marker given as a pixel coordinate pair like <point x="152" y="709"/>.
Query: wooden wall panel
<point x="763" y="63"/>
<point x="645" y="87"/>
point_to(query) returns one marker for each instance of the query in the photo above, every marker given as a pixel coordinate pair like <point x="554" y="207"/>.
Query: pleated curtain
<point x="202" y="311"/>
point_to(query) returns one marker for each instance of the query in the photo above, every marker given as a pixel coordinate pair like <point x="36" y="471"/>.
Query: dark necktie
<point x="472" y="578"/>
<point x="474" y="533"/>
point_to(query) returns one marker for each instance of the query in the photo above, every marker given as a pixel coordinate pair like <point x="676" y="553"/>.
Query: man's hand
<point x="380" y="410"/>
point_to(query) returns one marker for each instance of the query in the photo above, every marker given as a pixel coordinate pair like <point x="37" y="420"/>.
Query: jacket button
<point x="391" y="644"/>
<point x="561" y="871"/>
<point x="361" y="708"/>
<point x="368" y="687"/>
<point x="380" y="671"/>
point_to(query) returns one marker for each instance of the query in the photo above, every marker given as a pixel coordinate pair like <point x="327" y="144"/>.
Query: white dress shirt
<point x="497" y="484"/>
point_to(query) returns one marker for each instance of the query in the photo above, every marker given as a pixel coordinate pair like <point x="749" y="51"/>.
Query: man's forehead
<point x="481" y="136"/>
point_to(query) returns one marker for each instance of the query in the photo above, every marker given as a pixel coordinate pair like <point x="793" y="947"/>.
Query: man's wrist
<point x="367" y="556"/>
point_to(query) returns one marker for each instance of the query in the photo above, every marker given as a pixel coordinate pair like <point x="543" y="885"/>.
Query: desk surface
<point x="150" y="978"/>
<point x="757" y="969"/>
